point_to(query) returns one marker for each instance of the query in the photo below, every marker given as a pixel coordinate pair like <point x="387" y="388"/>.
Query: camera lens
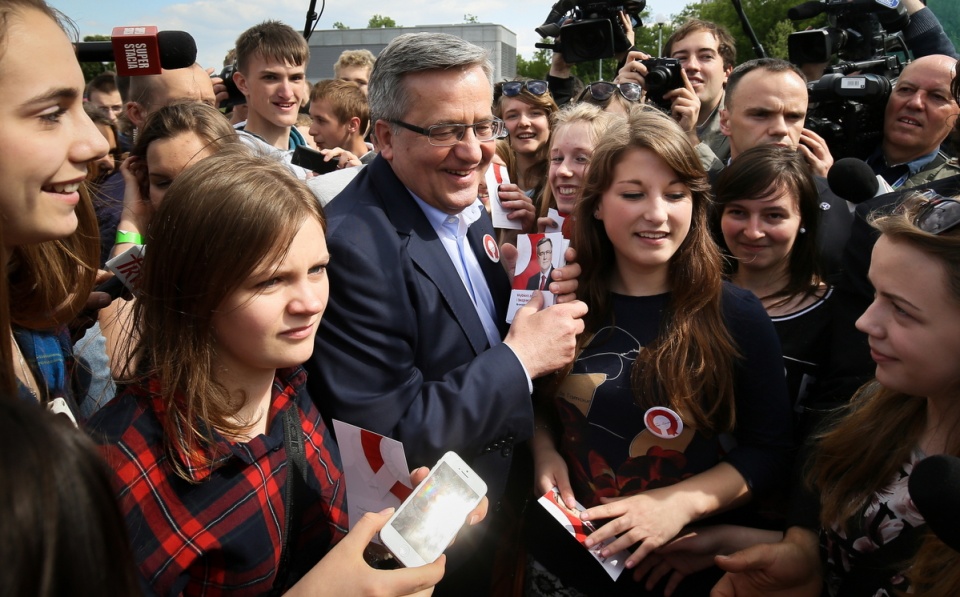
<point x="657" y="76"/>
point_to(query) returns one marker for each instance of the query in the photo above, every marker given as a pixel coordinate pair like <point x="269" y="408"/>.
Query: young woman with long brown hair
<point x="204" y="435"/>
<point x="874" y="540"/>
<point x="47" y="224"/>
<point x="675" y="409"/>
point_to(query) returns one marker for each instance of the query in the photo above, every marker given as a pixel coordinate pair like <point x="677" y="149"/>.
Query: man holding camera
<point x="919" y="116"/>
<point x="706" y="54"/>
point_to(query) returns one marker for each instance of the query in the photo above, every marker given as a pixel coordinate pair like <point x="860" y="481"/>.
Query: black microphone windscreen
<point x="807" y="10"/>
<point x="853" y="180"/>
<point x="178" y="49"/>
<point x="935" y="490"/>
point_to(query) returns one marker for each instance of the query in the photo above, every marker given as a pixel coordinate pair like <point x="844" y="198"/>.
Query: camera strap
<point x="294" y="494"/>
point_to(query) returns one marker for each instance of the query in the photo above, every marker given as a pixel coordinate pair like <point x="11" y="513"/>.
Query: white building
<point x="327" y="44"/>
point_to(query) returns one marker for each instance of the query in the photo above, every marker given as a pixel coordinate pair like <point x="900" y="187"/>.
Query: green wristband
<point x="128" y="237"/>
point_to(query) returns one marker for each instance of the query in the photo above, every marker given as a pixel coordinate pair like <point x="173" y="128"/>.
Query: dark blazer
<point x="534" y="282"/>
<point x="401" y="350"/>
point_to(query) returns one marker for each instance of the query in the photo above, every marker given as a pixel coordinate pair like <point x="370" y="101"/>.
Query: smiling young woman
<point x="47" y="224"/>
<point x="674" y="362"/>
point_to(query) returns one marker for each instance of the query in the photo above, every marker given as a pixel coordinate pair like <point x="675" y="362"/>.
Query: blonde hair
<point x="597" y="121"/>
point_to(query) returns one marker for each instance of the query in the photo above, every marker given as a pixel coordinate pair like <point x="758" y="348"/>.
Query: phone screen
<point x="429" y="520"/>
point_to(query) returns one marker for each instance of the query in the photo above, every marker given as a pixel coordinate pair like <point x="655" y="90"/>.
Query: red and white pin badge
<point x="492" y="248"/>
<point x="663" y="422"/>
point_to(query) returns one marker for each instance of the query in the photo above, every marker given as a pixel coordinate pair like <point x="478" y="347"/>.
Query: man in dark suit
<point x="413" y="343"/>
<point x="545" y="257"/>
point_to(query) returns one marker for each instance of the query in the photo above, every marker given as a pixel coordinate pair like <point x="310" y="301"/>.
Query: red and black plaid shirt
<point x="220" y="534"/>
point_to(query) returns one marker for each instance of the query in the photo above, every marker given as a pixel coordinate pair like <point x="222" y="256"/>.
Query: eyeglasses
<point x="513" y="88"/>
<point x="938" y="214"/>
<point x="446" y="135"/>
<point x="602" y="90"/>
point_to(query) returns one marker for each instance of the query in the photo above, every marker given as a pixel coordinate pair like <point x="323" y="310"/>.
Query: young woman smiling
<point x="47" y="224"/>
<point x="675" y="409"/>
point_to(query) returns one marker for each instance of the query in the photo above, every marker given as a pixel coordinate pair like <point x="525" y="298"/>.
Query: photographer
<point x="707" y="54"/>
<point x="919" y="115"/>
<point x="684" y="105"/>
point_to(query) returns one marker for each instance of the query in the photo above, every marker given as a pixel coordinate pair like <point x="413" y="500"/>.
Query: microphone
<point x="934" y="487"/>
<point x="141" y="50"/>
<point x="805" y="11"/>
<point x="853" y="180"/>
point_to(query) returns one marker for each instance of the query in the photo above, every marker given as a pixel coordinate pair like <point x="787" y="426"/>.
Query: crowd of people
<point x="739" y="373"/>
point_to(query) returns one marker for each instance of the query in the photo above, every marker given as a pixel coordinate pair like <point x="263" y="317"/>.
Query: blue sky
<point x="215" y="24"/>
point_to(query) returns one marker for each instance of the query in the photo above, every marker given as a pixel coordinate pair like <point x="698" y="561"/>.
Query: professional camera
<point x="595" y="30"/>
<point x="663" y="75"/>
<point x="858" y="30"/>
<point x="847" y="111"/>
<point x="236" y="97"/>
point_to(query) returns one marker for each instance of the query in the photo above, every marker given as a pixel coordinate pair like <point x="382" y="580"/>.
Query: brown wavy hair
<point x="690" y="365"/>
<point x="221" y="220"/>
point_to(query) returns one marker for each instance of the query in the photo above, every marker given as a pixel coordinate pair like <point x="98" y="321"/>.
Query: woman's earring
<point x="803" y="230"/>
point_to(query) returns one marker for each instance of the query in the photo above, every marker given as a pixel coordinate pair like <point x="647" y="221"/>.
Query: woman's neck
<point x="637" y="282"/>
<point x="762" y="282"/>
<point x="525" y="163"/>
<point x="943" y="425"/>
<point x="253" y="393"/>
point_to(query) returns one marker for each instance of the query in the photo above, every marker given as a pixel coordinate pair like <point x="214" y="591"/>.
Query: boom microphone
<point x="934" y="487"/>
<point x="853" y="180"/>
<point x="141" y="50"/>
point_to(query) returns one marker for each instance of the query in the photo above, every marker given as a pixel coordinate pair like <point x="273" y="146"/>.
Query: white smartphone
<point x="428" y="520"/>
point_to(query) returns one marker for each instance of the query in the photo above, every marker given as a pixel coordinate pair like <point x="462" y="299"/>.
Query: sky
<point x="215" y="24"/>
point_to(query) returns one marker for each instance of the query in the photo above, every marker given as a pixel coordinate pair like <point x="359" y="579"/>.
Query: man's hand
<point x="219" y="88"/>
<point x="545" y="340"/>
<point x="685" y="107"/>
<point x="790" y="568"/>
<point x="633" y="70"/>
<point x="816" y="153"/>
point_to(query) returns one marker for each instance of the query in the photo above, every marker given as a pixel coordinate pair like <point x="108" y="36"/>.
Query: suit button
<point x="506" y="451"/>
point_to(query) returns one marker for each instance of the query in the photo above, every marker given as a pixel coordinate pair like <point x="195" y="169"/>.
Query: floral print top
<point x="873" y="555"/>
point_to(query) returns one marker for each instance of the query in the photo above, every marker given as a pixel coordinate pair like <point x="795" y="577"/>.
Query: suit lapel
<point x="427" y="252"/>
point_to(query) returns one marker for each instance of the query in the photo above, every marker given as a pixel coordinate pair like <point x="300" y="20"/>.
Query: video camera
<point x="858" y="30"/>
<point x="595" y="31"/>
<point x="847" y="109"/>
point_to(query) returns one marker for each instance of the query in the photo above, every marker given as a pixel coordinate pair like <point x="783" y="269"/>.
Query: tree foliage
<point x="381" y="22"/>
<point x="948" y="11"/>
<point x="469" y="18"/>
<point x="339" y="25"/>
<point x="92" y="69"/>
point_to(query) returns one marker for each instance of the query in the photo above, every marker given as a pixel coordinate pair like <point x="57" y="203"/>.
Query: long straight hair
<point x="222" y="219"/>
<point x="846" y="470"/>
<point x="690" y="364"/>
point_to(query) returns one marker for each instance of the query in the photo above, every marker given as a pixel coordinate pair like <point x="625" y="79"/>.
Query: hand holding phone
<point x="311" y="159"/>
<point x="429" y="519"/>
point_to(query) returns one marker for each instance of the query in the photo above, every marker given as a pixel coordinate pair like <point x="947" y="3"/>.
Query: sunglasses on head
<point x="938" y="214"/>
<point x="602" y="90"/>
<point x="513" y="88"/>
